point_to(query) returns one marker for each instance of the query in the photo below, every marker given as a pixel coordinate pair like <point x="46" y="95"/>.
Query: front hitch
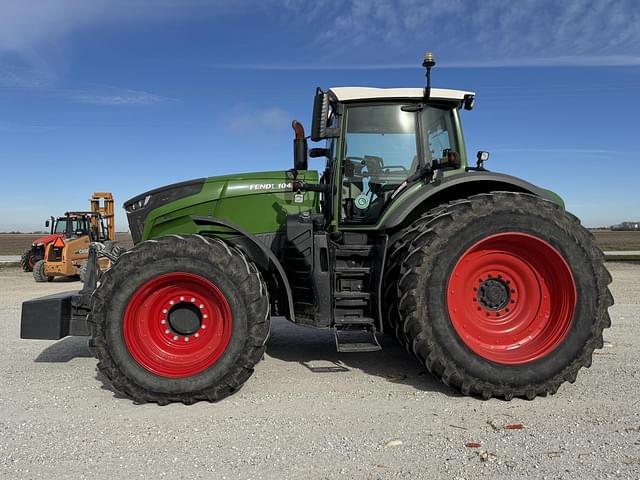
<point x="57" y="316"/>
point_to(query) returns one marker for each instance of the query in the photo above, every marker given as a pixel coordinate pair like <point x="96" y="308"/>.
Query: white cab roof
<point x="346" y="94"/>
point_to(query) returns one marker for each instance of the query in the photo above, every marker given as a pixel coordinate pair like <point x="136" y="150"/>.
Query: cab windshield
<point x="382" y="149"/>
<point x="76" y="226"/>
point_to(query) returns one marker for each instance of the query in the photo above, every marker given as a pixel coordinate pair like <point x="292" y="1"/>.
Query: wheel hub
<point x="511" y="298"/>
<point x="493" y="294"/>
<point x="177" y="324"/>
<point x="185" y="319"/>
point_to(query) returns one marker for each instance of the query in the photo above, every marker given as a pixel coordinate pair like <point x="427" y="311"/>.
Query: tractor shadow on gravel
<point x="316" y="351"/>
<point x="65" y="350"/>
<point x="70" y="348"/>
<point x="311" y="348"/>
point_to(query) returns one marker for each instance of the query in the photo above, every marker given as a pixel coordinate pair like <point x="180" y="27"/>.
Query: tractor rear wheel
<point x="504" y="294"/>
<point x="398" y="250"/>
<point x="38" y="273"/>
<point x="179" y="319"/>
<point x="27" y="261"/>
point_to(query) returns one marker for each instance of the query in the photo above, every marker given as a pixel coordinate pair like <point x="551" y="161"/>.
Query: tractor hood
<point x="226" y="197"/>
<point x="46" y="239"/>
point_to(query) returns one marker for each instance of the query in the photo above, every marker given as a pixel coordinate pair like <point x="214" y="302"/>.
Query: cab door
<point x="380" y="150"/>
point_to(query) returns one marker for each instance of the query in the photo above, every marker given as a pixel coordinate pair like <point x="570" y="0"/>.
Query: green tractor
<point x="483" y="277"/>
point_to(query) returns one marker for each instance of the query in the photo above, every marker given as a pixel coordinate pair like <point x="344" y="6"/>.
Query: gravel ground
<point x="309" y="412"/>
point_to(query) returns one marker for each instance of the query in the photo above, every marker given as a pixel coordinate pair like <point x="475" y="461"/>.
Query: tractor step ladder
<point x="354" y="325"/>
<point x="356" y="335"/>
<point x="358" y="340"/>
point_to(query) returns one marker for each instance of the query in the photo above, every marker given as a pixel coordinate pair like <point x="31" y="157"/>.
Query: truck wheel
<point x="38" y="272"/>
<point x="179" y="319"/>
<point x="27" y="261"/>
<point x="504" y="294"/>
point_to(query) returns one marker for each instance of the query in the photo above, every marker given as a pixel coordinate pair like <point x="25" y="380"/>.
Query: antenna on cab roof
<point x="428" y="62"/>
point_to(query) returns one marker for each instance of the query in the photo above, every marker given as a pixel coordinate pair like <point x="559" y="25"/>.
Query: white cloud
<point x="560" y="61"/>
<point x="592" y="151"/>
<point x="115" y="96"/>
<point x="242" y="120"/>
<point x="360" y="34"/>
<point x="16" y="128"/>
<point x="14" y="76"/>
<point x="26" y="26"/>
<point x="470" y="33"/>
<point x="34" y="36"/>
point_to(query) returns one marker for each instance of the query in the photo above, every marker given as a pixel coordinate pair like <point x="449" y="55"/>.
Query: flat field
<point x="616" y="240"/>
<point x="16" y="244"/>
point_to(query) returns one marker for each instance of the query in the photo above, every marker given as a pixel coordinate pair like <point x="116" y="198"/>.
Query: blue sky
<point x="130" y="95"/>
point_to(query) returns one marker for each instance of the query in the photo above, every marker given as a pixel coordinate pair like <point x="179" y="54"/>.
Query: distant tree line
<point x="626" y="226"/>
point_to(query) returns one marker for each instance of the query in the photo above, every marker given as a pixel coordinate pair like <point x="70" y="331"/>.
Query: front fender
<point x="257" y="251"/>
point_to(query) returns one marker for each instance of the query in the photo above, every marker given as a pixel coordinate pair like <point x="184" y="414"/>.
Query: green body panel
<point x="258" y="202"/>
<point x="555" y="196"/>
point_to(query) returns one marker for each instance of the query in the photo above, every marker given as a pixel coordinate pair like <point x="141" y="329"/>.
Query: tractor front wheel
<point x="503" y="294"/>
<point x="38" y="272"/>
<point x="179" y="319"/>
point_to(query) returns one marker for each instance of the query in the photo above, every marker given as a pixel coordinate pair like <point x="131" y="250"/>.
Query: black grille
<point x="139" y="207"/>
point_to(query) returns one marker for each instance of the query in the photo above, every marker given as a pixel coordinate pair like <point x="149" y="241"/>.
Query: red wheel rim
<point x="511" y="298"/>
<point x="156" y="345"/>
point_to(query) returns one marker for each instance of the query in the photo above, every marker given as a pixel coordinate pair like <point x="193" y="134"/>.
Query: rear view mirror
<point x="319" y="152"/>
<point x="46" y="223"/>
<point x="319" y="125"/>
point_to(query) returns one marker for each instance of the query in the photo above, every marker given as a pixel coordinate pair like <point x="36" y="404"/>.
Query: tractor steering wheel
<point x="403" y="169"/>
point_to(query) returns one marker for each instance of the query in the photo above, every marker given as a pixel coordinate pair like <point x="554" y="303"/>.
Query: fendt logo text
<point x="270" y="186"/>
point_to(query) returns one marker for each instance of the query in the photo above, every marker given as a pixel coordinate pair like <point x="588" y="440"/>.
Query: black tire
<point x="397" y="251"/>
<point x="433" y="254"/>
<point x="38" y="272"/>
<point x="82" y="273"/>
<point x="26" y="261"/>
<point x="236" y="277"/>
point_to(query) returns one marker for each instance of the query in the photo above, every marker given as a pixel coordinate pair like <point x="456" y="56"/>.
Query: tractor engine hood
<point x="171" y="200"/>
<point x="139" y="206"/>
<point x="46" y="239"/>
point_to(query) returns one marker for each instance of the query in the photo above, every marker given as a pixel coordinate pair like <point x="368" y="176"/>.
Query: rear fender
<point x="453" y="188"/>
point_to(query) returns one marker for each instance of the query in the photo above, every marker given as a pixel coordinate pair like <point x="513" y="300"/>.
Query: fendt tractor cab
<point x="484" y="277"/>
<point x="66" y="254"/>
